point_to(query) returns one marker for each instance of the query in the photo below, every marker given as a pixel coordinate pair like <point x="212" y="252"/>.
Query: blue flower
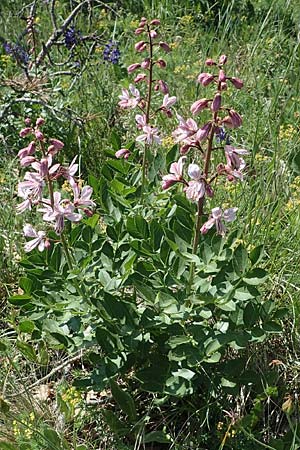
<point x="111" y="52"/>
<point x="17" y="52"/>
<point x="72" y="37"/>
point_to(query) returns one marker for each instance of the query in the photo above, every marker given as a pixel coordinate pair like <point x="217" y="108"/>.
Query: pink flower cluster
<point x="132" y="98"/>
<point x="201" y="138"/>
<point x="40" y="180"/>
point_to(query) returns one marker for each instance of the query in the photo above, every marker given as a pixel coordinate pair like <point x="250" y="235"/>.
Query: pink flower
<point x="205" y="78"/>
<point x="167" y="103"/>
<point x="27" y="161"/>
<point x="186" y="129"/>
<point x="62" y="209"/>
<point x="128" y="101"/>
<point x="199" y="105"/>
<point x="197" y="187"/>
<point x="175" y="174"/>
<point x="40" y="241"/>
<point x="32" y="186"/>
<point x="140" y="121"/>
<point x="123" y="153"/>
<point x="83" y="198"/>
<point x="150" y="135"/>
<point x="216" y="219"/>
<point x="155" y="22"/>
<point x="29" y="150"/>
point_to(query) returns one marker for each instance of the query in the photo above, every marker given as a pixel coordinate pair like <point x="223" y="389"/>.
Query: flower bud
<point x="223" y="59"/>
<point x="222" y="76"/>
<point x="209" y="191"/>
<point x="27" y="160"/>
<point x="235" y="118"/>
<point x="140" y="46"/>
<point x="27" y="121"/>
<point x="223" y="86"/>
<point x="164" y="46"/>
<point x="237" y="82"/>
<point x="194" y="171"/>
<point x="40" y="121"/>
<point x="227" y="122"/>
<point x="199" y="105"/>
<point x="205" y="78"/>
<point x="210" y="62"/>
<point x="184" y="149"/>
<point x="122" y="153"/>
<point x="25" y="131"/>
<point x="153" y="34"/>
<point x="44" y="167"/>
<point x="163" y="87"/>
<point x="133" y="67"/>
<point x="146" y="63"/>
<point x="47" y="243"/>
<point x="88" y="212"/>
<point x="203" y="132"/>
<point x="143" y="22"/>
<point x="39" y="135"/>
<point x="216" y="103"/>
<point x="140" y="77"/>
<point x="139" y="31"/>
<point x="155" y="22"/>
<point x="156" y="87"/>
<point x="58" y="145"/>
<point x="161" y="63"/>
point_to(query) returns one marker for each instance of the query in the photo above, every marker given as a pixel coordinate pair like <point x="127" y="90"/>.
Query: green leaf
<point x="157" y="436"/>
<point x="255" y="276"/>
<point x="19" y="300"/>
<point x="114" y="422"/>
<point x="26" y="284"/>
<point x="26" y="326"/>
<point x="7" y="446"/>
<point x="55" y="259"/>
<point x="295" y="164"/>
<point x="272" y="327"/>
<point x="256" y="254"/>
<point x="115" y="141"/>
<point x="92" y="222"/>
<point x="27" y="350"/>
<point x="137" y="227"/>
<point x="124" y="400"/>
<point x="184" y="373"/>
<point x="240" y="259"/>
<point x="3" y="346"/>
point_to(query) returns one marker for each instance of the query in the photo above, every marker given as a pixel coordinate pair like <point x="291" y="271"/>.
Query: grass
<point x="264" y="49"/>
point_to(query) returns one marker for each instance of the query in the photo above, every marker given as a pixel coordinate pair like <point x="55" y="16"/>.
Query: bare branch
<point x="58" y="32"/>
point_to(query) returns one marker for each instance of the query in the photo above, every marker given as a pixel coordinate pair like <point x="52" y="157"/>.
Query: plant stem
<point x="200" y="206"/>
<point x="149" y="95"/>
